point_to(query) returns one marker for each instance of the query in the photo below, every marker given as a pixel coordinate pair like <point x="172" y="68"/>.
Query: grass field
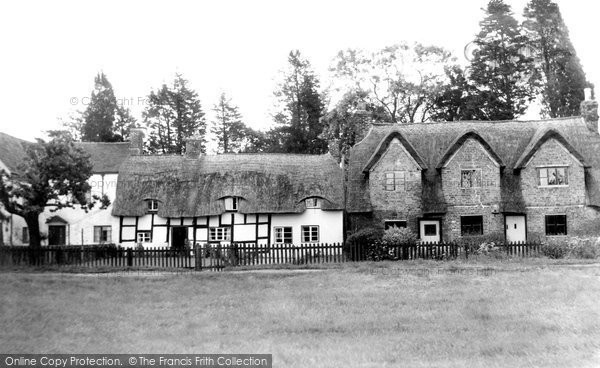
<point x="397" y="314"/>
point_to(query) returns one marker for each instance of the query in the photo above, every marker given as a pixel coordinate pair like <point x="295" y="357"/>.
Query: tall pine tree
<point x="228" y="128"/>
<point x="563" y="77"/>
<point x="501" y="70"/>
<point x="299" y="123"/>
<point x="99" y="115"/>
<point x="172" y="115"/>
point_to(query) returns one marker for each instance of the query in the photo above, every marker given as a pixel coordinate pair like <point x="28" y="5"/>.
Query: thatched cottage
<point x="514" y="179"/>
<point x="250" y="198"/>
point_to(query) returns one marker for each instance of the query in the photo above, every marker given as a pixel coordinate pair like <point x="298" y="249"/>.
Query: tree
<point x="299" y="126"/>
<point x="124" y="122"/>
<point x="403" y="80"/>
<point x="54" y="174"/>
<point x="349" y="120"/>
<point x="563" y="76"/>
<point x="501" y="71"/>
<point x="172" y="115"/>
<point x="99" y="116"/>
<point x="228" y="128"/>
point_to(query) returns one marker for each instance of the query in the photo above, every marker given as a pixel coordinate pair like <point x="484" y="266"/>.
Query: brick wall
<point x="471" y="155"/>
<point x="403" y="203"/>
<point x="553" y="153"/>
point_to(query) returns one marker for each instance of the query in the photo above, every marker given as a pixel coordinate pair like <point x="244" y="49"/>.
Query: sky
<point x="51" y="51"/>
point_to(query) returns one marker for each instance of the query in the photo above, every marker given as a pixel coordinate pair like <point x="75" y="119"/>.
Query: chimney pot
<point x="589" y="111"/>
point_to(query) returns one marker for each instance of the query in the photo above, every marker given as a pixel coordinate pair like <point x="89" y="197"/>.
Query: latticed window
<point x="395" y="180"/>
<point x="231" y="203"/>
<point x="549" y="176"/>
<point x="556" y="225"/>
<point x="144" y="237"/>
<point x="470" y="178"/>
<point x="219" y="234"/>
<point x="152" y="205"/>
<point x="283" y="234"/>
<point x="312" y="202"/>
<point x="102" y="234"/>
<point x="310" y="234"/>
<point x="471" y="225"/>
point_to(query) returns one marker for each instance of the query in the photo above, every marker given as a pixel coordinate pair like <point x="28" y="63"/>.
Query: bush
<point x="555" y="249"/>
<point x="488" y="244"/>
<point x="395" y="236"/>
<point x="585" y="248"/>
<point x="363" y="243"/>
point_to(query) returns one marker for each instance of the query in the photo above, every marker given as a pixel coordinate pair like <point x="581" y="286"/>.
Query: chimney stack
<point x="136" y="141"/>
<point x="194" y="147"/>
<point x="589" y="111"/>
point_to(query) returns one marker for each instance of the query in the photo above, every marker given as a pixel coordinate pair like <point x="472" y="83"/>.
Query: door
<point x="429" y="231"/>
<point x="179" y="238"/>
<point x="57" y="235"/>
<point x="515" y="228"/>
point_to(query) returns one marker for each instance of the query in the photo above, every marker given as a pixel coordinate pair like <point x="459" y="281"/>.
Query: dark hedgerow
<point x="359" y="244"/>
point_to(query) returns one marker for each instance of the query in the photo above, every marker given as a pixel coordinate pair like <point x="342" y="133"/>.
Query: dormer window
<point x="152" y="205"/>
<point x="313" y="202"/>
<point x="231" y="203"/>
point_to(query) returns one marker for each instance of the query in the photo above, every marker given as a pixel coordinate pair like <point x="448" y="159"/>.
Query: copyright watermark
<point x="131" y="101"/>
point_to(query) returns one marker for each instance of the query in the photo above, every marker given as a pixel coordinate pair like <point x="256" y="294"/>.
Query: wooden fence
<point x="218" y="256"/>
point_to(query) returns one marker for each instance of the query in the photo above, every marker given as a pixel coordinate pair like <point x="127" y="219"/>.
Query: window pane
<point x="560" y="176"/>
<point x="552" y="176"/>
<point x="430" y="230"/>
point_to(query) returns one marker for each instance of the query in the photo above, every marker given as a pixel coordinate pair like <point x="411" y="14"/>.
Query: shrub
<point x="363" y="244"/>
<point x="587" y="248"/>
<point x="395" y="236"/>
<point x="483" y="244"/>
<point x="555" y="249"/>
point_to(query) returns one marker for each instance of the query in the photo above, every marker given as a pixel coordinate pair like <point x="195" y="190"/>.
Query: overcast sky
<point x="51" y="50"/>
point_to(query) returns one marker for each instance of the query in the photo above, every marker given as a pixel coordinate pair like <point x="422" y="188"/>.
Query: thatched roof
<point x="508" y="142"/>
<point x="105" y="157"/>
<point x="12" y="151"/>
<point x="267" y="183"/>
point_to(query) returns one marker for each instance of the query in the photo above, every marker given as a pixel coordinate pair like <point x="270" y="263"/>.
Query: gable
<point x="540" y="141"/>
<point x="470" y="152"/>
<point x="398" y="139"/>
<point x="553" y="152"/>
<point x="396" y="157"/>
<point x="467" y="139"/>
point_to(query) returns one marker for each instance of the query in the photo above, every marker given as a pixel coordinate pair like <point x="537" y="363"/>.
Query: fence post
<point x="197" y="257"/>
<point x="466" y="251"/>
<point x="129" y="257"/>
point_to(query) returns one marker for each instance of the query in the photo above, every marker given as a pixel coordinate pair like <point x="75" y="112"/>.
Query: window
<point x="152" y="205"/>
<point x="394" y="223"/>
<point x="283" y="235"/>
<point x="395" y="180"/>
<point x="231" y="203"/>
<point x="102" y="234"/>
<point x="310" y="234"/>
<point x="430" y="230"/>
<point x="470" y="178"/>
<point x="219" y="234"/>
<point x="144" y="237"/>
<point x="471" y="225"/>
<point x="24" y="235"/>
<point x="312" y="202"/>
<point x="552" y="176"/>
<point x="556" y="225"/>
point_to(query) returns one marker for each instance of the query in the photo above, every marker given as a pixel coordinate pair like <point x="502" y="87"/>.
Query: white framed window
<point x="470" y="178"/>
<point x="313" y="202"/>
<point x="152" y="205"/>
<point x="283" y="234"/>
<point x="231" y="203"/>
<point x="144" y="236"/>
<point x="553" y="176"/>
<point x="310" y="234"/>
<point x="395" y="180"/>
<point x="102" y="234"/>
<point x="219" y="234"/>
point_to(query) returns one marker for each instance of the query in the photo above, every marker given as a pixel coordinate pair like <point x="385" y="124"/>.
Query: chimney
<point x="589" y="111"/>
<point x="194" y="147"/>
<point x="136" y="141"/>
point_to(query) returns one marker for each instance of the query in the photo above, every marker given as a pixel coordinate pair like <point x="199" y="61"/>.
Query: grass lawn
<point x="356" y="315"/>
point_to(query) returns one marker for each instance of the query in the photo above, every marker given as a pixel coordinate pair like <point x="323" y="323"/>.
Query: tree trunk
<point x="33" y="226"/>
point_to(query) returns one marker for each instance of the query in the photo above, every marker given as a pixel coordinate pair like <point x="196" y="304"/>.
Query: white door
<point x="430" y="231"/>
<point x="515" y="229"/>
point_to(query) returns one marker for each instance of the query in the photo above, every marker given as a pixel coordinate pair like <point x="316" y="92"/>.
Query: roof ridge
<point x="478" y="121"/>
